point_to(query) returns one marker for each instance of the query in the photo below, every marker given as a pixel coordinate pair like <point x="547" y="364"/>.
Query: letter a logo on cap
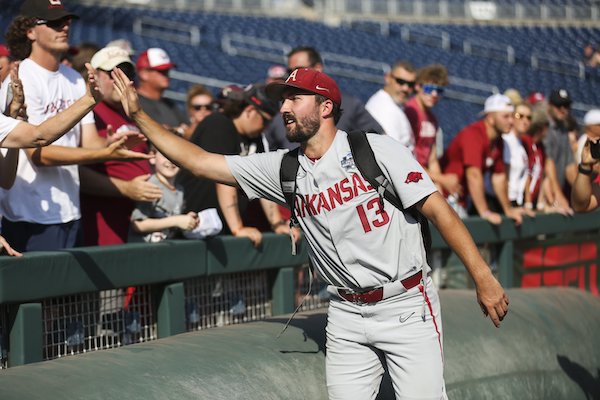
<point x="292" y="76"/>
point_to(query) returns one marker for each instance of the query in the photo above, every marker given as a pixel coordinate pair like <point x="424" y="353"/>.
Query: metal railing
<point x="167" y="30"/>
<point x="428" y="37"/>
<point x="485" y="48"/>
<point x="550" y="62"/>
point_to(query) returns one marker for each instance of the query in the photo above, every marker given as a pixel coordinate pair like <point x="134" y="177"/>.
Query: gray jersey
<point x="353" y="242"/>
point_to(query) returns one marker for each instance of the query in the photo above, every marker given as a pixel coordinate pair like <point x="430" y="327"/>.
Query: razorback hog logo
<point x="413" y="177"/>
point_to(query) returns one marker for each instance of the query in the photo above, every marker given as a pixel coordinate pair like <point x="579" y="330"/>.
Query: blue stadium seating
<point x="102" y="24"/>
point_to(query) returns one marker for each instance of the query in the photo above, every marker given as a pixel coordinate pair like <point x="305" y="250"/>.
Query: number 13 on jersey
<point x="381" y="216"/>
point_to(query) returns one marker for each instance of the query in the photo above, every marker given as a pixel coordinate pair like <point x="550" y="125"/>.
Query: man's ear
<point x="142" y="74"/>
<point x="387" y="78"/>
<point x="152" y="160"/>
<point x="326" y="108"/>
<point x="31" y="34"/>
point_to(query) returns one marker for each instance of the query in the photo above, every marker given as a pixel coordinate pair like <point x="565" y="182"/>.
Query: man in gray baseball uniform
<point x="371" y="253"/>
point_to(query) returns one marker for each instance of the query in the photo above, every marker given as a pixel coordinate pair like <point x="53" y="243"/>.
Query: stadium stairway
<point x="547" y="348"/>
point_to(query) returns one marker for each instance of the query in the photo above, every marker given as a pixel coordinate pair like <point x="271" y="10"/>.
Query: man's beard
<point x="304" y="129"/>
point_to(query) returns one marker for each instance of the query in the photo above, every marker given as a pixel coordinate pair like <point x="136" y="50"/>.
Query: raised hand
<point x="118" y="151"/>
<point x="139" y="189"/>
<point x="92" y="86"/>
<point x="133" y="138"/>
<point x="17" y="107"/>
<point x="125" y="89"/>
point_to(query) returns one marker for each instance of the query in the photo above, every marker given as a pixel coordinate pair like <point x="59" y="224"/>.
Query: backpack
<point x="365" y="161"/>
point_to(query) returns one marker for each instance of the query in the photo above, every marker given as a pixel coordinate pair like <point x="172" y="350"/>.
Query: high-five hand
<point x="92" y="85"/>
<point x="125" y="89"/>
<point x="17" y="107"/>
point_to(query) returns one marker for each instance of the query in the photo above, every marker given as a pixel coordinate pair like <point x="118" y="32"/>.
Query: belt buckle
<point x="357" y="299"/>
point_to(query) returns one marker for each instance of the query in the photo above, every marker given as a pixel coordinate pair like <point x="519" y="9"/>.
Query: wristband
<point x="486" y="213"/>
<point x="528" y="205"/>
<point x="585" y="171"/>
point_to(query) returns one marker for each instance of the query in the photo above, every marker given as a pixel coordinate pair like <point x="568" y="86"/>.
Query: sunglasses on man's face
<point x="198" y="107"/>
<point x="56" y="24"/>
<point x="521" y="116"/>
<point x="400" y="81"/>
<point x="429" y="88"/>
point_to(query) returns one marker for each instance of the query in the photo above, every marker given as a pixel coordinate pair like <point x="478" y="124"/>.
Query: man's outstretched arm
<point x="183" y="153"/>
<point x="490" y="294"/>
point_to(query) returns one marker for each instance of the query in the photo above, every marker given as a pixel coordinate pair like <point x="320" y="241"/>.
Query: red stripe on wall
<point x="562" y="254"/>
<point x="588" y="251"/>
<point x="531" y="280"/>
<point x="533" y="257"/>
<point x="553" y="278"/>
<point x="593" y="280"/>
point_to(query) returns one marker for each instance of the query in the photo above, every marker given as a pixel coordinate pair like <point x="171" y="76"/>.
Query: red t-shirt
<point x="424" y="125"/>
<point x="472" y="148"/>
<point x="106" y="219"/>
<point x="536" y="155"/>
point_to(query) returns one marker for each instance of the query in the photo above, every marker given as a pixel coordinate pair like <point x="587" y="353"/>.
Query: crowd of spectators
<point x="100" y="184"/>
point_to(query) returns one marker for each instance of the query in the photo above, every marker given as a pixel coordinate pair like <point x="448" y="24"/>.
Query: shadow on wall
<point x="313" y="328"/>
<point x="588" y="383"/>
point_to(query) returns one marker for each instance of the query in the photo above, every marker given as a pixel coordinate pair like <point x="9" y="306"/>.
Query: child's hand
<point x="188" y="221"/>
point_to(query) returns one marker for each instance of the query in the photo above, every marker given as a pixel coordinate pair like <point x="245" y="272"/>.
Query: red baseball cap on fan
<point x="154" y="58"/>
<point x="309" y="80"/>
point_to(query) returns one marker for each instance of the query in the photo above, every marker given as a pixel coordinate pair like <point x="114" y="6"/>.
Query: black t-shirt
<point x="216" y="134"/>
<point x="164" y="111"/>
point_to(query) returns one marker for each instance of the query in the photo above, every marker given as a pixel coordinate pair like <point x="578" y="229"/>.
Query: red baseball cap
<point x="535" y="97"/>
<point x="154" y="58"/>
<point x="307" y="79"/>
<point x="4" y="52"/>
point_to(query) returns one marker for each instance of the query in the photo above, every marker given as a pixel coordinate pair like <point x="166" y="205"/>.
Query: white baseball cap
<point x="592" y="117"/>
<point x="109" y="57"/>
<point x="498" y="103"/>
<point x="154" y="58"/>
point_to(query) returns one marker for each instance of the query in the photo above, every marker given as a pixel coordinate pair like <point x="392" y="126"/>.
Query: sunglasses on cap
<point x="429" y="88"/>
<point x="198" y="107"/>
<point x="55" y="24"/>
<point x="400" y="81"/>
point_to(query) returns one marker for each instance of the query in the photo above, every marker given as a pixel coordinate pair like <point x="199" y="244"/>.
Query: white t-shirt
<point x="7" y="124"/>
<point x="353" y="243"/>
<point x="46" y="195"/>
<point x="391" y="117"/>
<point x="516" y="158"/>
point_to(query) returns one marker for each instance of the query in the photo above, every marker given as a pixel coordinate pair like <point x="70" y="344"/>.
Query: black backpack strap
<point x="287" y="175"/>
<point x="365" y="161"/>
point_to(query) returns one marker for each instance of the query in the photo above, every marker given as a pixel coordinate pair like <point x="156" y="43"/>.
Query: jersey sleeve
<point x="258" y="175"/>
<point x="409" y="178"/>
